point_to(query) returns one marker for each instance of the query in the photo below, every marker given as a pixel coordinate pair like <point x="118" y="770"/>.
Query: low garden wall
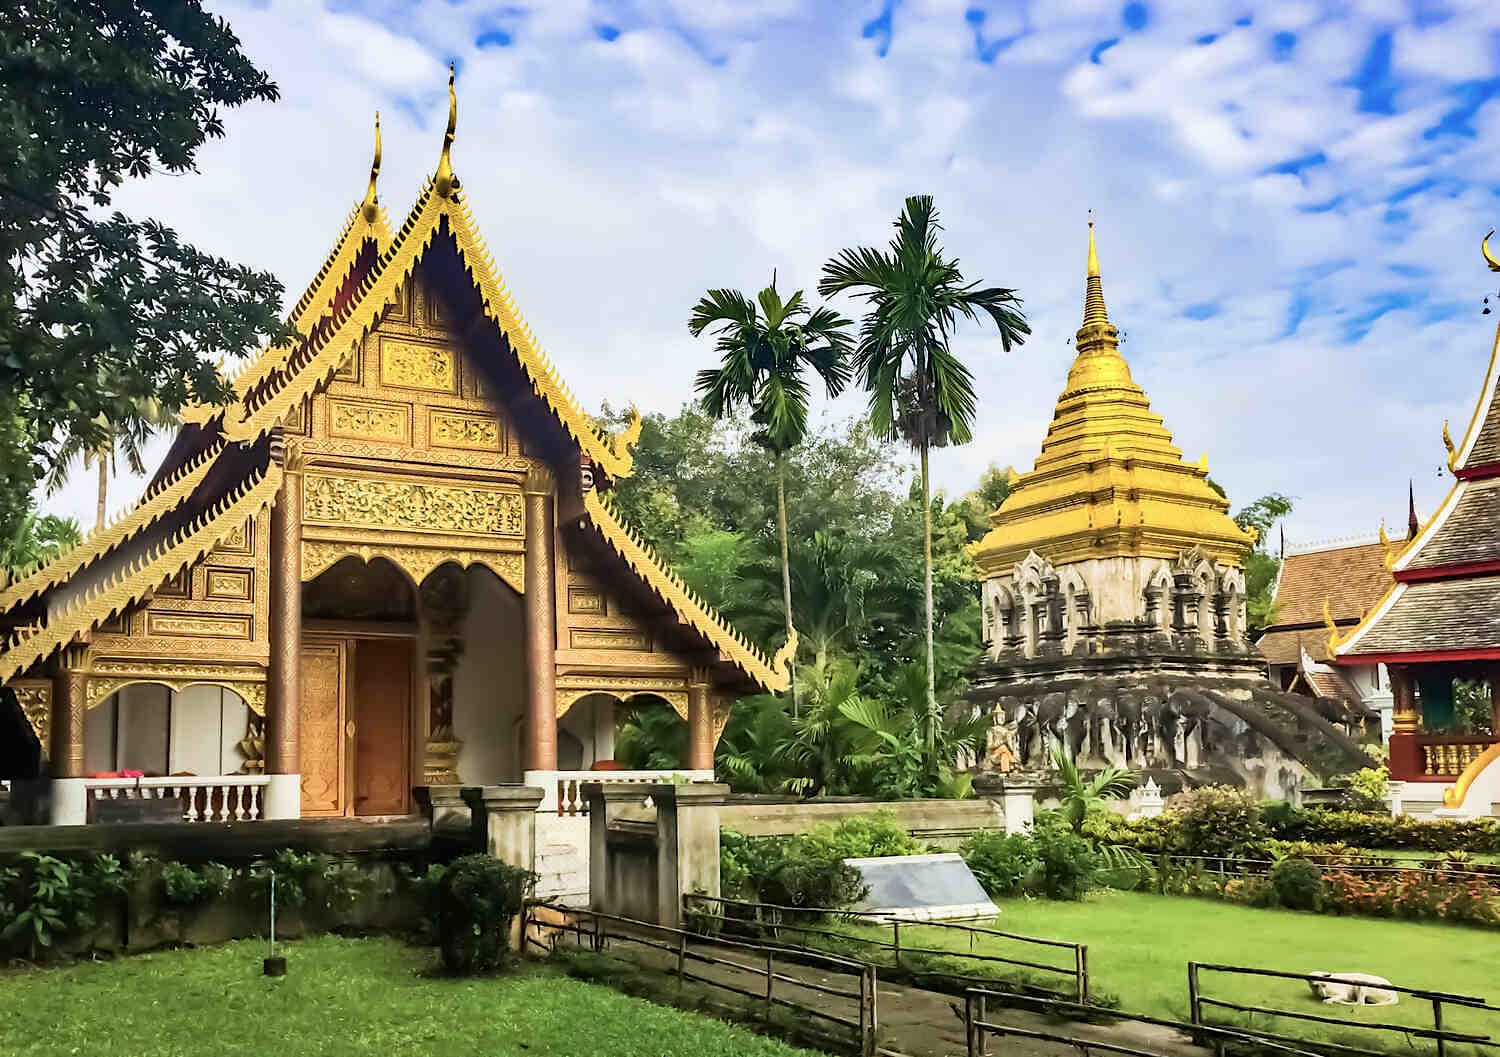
<point x="943" y="823"/>
<point x="102" y="889"/>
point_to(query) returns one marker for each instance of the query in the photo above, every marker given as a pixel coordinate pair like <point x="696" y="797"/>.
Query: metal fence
<point x="1440" y="1035"/>
<point x="769" y="919"/>
<point x="595" y="931"/>
<point x="978" y="1029"/>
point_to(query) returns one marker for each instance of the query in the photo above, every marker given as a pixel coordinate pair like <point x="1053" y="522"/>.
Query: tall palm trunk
<point x="786" y="568"/>
<point x="930" y="734"/>
<point x="103" y="500"/>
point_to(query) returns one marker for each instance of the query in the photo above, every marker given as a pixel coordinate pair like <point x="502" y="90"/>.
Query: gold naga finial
<point x="782" y="662"/>
<point x="1448" y="443"/>
<point x="370" y="208"/>
<point x="1484" y="248"/>
<point x="626" y="440"/>
<point x="1333" y="629"/>
<point x="444" y="182"/>
<point x="1385" y="541"/>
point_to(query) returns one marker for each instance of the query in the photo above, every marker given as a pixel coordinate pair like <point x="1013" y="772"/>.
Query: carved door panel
<point x="322" y="735"/>
<point x="382" y="726"/>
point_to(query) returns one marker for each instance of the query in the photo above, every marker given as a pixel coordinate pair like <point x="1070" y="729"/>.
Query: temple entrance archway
<point x="359" y="682"/>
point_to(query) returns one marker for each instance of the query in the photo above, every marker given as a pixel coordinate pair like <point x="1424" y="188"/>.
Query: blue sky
<point x="1289" y="197"/>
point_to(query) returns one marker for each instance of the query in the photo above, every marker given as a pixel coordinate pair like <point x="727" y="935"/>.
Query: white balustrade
<point x="570" y="798"/>
<point x="218" y="798"/>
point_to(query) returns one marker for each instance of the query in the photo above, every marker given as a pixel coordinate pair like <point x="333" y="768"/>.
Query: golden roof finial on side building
<point x="370" y="208"/>
<point x="1484" y="248"/>
<point x="444" y="182"/>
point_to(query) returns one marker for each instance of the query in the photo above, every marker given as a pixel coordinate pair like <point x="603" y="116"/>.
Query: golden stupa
<point x="1109" y="483"/>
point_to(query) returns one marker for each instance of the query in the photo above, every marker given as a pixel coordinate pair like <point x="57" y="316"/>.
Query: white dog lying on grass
<point x="1352" y="989"/>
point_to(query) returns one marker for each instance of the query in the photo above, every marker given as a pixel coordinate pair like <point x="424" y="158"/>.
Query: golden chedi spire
<point x="1108" y="482"/>
<point x="370" y="207"/>
<point x="444" y="182"/>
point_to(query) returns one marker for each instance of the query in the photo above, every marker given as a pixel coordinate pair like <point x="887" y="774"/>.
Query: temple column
<point x="284" y="676"/>
<point x="69" y="701"/>
<point x="1406" y="723"/>
<point x="541" y="636"/>
<point x="700" y="751"/>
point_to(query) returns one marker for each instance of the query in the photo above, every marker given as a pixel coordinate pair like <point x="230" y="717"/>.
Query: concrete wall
<point x="489" y="685"/>
<point x="943" y="822"/>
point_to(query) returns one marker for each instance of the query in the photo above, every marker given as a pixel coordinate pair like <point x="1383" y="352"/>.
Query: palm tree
<point x="1082" y="796"/>
<point x="765" y="347"/>
<point x="36" y="540"/>
<point x="919" y="391"/>
<point x="127" y="434"/>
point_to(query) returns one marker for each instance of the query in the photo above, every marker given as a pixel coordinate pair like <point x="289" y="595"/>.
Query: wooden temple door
<point x="324" y="720"/>
<point x="382" y="725"/>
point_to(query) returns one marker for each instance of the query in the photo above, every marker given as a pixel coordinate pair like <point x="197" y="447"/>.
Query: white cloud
<point x="711" y="143"/>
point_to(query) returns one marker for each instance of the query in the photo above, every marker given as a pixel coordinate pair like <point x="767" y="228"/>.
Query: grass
<point x="1139" y="945"/>
<point x="340" y="997"/>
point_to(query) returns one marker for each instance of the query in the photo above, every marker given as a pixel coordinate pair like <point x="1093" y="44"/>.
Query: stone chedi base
<point x="1161" y="703"/>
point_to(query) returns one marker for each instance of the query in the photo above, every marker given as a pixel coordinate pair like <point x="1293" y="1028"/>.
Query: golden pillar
<point x="1405" y="718"/>
<point x="700" y="724"/>
<point x="69" y="702"/>
<point x="283" y="682"/>
<point x="541" y="623"/>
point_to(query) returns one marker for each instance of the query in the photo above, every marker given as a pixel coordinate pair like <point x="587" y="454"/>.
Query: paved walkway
<point x="912" y="1021"/>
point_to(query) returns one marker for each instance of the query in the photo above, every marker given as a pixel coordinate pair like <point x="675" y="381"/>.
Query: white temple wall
<point x="489" y="683"/>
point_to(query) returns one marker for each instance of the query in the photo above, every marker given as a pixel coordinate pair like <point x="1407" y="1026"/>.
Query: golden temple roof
<point x="1108" y="482"/>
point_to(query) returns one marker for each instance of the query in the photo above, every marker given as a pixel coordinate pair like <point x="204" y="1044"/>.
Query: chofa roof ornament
<point x="444" y="182"/>
<point x="1484" y="248"/>
<point x="370" y="207"/>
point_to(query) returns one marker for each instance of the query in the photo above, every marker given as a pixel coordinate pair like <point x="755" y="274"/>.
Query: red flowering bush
<point x="1420" y="895"/>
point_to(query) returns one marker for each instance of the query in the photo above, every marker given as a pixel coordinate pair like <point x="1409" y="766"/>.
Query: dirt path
<point x="912" y="1021"/>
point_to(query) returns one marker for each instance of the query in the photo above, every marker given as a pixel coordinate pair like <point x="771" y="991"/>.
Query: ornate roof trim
<point x="378" y="290"/>
<point x="1339" y="646"/>
<point x="1484" y="409"/>
<point x="164" y="498"/>
<point x="315" y="301"/>
<point x="187" y="546"/>
<point x="690" y="609"/>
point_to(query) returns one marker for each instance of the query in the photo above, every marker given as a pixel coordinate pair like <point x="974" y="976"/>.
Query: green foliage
<point x="807" y="869"/>
<point x="101" y="312"/>
<point x="307" y="879"/>
<point x="1261" y="564"/>
<point x="1082" y="796"/>
<point x="478" y="898"/>
<point x="1068" y="865"/>
<point x="1298" y="884"/>
<point x="1363" y="830"/>
<point x="1001" y="862"/>
<point x="34" y="540"/>
<point x="185" y="885"/>
<point x="45" y="900"/>
<point x="1218" y="820"/>
<point x="1365" y="789"/>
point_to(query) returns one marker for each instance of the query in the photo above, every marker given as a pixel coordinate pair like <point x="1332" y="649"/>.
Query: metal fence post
<point x="1437" y="1025"/>
<point x="1083" y="974"/>
<point x="896" y="940"/>
<point x="1195" y="1009"/>
<point x="969" y="1023"/>
<point x="770" y="978"/>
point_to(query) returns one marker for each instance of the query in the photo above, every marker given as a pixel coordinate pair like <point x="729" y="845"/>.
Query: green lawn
<point x="1139" y="945"/>
<point x="340" y="996"/>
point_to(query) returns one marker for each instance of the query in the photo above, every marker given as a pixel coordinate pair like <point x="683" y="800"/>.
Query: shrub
<point x="45" y="900"/>
<point x="1298" y="884"/>
<point x="184" y="885"/>
<point x="862" y="837"/>
<point x="1365" y="789"/>
<point x="1001" y="862"/>
<point x="478" y="898"/>
<point x="1362" y="830"/>
<point x="1069" y="865"/>
<point x="1218" y="820"/>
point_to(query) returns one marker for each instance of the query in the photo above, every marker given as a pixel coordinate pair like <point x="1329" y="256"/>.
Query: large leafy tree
<point x="1262" y="563"/>
<point x="766" y="346"/>
<point x="919" y="391"/>
<point x="98" y="311"/>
